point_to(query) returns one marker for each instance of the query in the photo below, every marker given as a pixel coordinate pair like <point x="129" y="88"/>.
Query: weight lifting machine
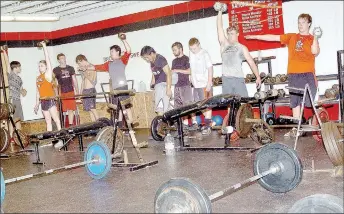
<point x="100" y="124"/>
<point x="224" y="100"/>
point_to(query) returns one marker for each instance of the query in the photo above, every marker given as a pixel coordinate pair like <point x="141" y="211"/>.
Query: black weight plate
<point x="318" y="203"/>
<point x="157" y="127"/>
<point x="180" y="195"/>
<point x="291" y="171"/>
<point x="331" y="138"/>
<point x="106" y="136"/>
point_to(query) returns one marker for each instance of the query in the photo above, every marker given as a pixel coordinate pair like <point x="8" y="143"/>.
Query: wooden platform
<point x="143" y="113"/>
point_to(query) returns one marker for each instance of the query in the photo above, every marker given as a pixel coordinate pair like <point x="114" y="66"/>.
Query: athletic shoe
<point x="206" y="130"/>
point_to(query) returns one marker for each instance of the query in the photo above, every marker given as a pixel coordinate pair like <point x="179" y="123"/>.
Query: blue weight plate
<point x="99" y="169"/>
<point x="3" y="188"/>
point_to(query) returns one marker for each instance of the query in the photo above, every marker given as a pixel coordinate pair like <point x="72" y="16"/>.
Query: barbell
<point x="276" y="167"/>
<point x="97" y="161"/>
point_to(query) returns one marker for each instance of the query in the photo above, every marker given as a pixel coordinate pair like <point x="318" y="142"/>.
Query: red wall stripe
<point x="108" y="23"/>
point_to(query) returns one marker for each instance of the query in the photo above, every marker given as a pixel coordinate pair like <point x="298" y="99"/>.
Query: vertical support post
<point x="230" y="122"/>
<point x="181" y="133"/>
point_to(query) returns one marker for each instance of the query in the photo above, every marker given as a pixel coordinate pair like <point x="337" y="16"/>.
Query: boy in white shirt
<point x="201" y="78"/>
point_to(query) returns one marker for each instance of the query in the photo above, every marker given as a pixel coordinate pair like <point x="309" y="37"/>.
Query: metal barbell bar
<point x="276" y="167"/>
<point x="98" y="161"/>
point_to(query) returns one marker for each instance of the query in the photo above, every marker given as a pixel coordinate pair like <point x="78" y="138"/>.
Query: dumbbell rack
<point x="283" y="102"/>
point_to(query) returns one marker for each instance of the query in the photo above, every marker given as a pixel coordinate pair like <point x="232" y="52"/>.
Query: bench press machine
<point x="223" y="100"/>
<point x="108" y="132"/>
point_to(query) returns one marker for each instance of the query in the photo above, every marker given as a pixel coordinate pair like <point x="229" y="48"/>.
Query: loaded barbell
<point x="97" y="161"/>
<point x="276" y="167"/>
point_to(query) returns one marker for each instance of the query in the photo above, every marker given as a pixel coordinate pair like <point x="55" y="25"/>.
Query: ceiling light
<point x="29" y="18"/>
<point x="7" y="18"/>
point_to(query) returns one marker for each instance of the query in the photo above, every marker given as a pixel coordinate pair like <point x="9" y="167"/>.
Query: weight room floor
<point x="133" y="192"/>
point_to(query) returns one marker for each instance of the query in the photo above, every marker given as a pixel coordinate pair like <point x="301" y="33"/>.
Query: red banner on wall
<point x="257" y="18"/>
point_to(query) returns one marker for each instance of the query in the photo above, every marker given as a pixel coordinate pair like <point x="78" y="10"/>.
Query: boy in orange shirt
<point x="302" y="50"/>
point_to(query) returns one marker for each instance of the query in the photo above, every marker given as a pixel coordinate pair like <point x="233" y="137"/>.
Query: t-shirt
<point x="181" y="63"/>
<point x="232" y="58"/>
<point x="45" y="88"/>
<point x="15" y="84"/>
<point x="199" y="64"/>
<point x="64" y="78"/>
<point x="300" y="57"/>
<point x="157" y="69"/>
<point x="116" y="69"/>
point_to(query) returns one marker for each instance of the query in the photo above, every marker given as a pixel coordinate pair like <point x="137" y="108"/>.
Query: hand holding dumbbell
<point x="23" y="92"/>
<point x="40" y="44"/>
<point x="317" y="32"/>
<point x="4" y="48"/>
<point x="218" y="6"/>
<point x="122" y="36"/>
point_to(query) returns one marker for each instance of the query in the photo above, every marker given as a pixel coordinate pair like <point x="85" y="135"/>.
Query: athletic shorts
<point x="234" y="85"/>
<point x="300" y="81"/>
<point x="70" y="103"/>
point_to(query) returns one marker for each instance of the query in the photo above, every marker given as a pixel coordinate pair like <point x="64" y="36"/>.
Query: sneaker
<point x="58" y="145"/>
<point x="292" y="133"/>
<point x="206" y="130"/>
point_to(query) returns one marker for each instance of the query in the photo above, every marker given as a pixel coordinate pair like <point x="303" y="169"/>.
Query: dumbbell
<point x="317" y="32"/>
<point x="251" y="77"/>
<point x="122" y="36"/>
<point x="281" y="93"/>
<point x="283" y="78"/>
<point x="264" y="94"/>
<point x="330" y="93"/>
<point x="262" y="75"/>
<point x="278" y="78"/>
<point x="218" y="6"/>
<point x="336" y="88"/>
<point x="273" y="80"/>
<point x="5" y="47"/>
<point x="277" y="168"/>
<point x="247" y="80"/>
<point x="39" y="45"/>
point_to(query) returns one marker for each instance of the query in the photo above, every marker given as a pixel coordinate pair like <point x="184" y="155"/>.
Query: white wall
<point x="161" y="38"/>
<point x="26" y="26"/>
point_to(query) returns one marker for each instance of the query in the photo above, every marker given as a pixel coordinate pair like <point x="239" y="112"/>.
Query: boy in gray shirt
<point x="16" y="90"/>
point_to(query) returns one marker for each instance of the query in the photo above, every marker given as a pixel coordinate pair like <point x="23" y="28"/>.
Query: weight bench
<point x="222" y="100"/>
<point x="69" y="133"/>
